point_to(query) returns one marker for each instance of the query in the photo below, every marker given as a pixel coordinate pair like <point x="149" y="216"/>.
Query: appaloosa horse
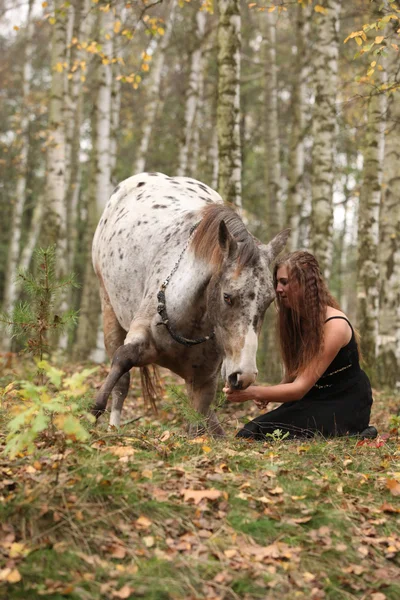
<point x="183" y="285"/>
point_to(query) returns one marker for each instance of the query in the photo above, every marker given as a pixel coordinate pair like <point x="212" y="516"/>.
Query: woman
<point x="324" y="389"/>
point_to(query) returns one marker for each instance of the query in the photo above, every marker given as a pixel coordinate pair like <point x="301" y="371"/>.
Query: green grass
<point x="308" y="520"/>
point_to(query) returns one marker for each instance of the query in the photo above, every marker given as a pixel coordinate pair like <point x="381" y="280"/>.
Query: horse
<point x="183" y="285"/>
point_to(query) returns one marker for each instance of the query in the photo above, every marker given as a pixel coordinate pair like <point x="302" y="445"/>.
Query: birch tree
<point x="228" y="107"/>
<point x="55" y="224"/>
<point x="368" y="229"/>
<point x="11" y="287"/>
<point x="272" y="143"/>
<point x="153" y="94"/>
<point x="99" y="185"/>
<point x="192" y="94"/>
<point x="389" y="247"/>
<point x="325" y="66"/>
<point x="296" y="197"/>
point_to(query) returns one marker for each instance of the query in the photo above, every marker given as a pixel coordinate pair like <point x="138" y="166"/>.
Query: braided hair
<point x="301" y="326"/>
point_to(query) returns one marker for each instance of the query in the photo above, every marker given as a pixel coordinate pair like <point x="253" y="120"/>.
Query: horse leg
<point x="137" y="351"/>
<point x="202" y="393"/>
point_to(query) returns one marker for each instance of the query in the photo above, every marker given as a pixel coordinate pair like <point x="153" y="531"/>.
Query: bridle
<point x="162" y="305"/>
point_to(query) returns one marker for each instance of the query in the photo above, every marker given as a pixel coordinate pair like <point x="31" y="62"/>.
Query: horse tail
<point x="151" y="385"/>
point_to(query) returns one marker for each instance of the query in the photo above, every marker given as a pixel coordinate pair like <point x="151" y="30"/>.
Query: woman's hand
<point x="251" y="393"/>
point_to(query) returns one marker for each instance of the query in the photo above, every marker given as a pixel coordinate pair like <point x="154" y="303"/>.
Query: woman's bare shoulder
<point x="340" y="324"/>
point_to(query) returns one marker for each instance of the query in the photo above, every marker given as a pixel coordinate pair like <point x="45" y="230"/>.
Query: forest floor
<point x="149" y="513"/>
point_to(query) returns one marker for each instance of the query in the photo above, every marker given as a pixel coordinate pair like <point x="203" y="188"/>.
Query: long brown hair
<point x="301" y="327"/>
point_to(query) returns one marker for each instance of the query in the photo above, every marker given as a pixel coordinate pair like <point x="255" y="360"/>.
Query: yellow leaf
<point x="148" y="474"/>
<point x="393" y="486"/>
<point x="145" y="67"/>
<point x="10" y="575"/>
<point x="148" y="541"/>
<point x="395" y="46"/>
<point x="370" y="72"/>
<point x="373" y="63"/>
<point x="44" y="4"/>
<point x="206" y="449"/>
<point x="16" y="27"/>
<point x="105" y="61"/>
<point x="320" y="9"/>
<point x="379" y="39"/>
<point x="52" y="20"/>
<point x="117" y="26"/>
<point x="271" y="9"/>
<point x="142" y="523"/>
<point x="160" y="30"/>
<point x="252" y="4"/>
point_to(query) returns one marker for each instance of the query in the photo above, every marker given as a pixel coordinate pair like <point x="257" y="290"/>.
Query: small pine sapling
<point x="36" y="319"/>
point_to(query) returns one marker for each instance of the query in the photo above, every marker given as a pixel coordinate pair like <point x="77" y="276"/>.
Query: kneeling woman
<point x="324" y="390"/>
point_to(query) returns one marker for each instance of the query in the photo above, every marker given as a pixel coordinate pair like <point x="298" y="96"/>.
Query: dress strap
<point x="340" y="317"/>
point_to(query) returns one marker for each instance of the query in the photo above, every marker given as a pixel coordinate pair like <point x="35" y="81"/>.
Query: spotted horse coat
<point x="157" y="228"/>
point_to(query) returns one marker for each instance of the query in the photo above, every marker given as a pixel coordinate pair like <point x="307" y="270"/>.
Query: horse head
<point x="240" y="289"/>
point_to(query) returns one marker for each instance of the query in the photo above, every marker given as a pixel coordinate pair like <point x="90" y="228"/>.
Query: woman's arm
<point x="336" y="333"/>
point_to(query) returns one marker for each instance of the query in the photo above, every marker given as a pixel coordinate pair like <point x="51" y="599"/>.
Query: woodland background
<point x="290" y="109"/>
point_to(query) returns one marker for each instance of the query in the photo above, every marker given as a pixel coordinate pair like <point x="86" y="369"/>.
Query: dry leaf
<point x="393" y="486"/>
<point x="378" y="596"/>
<point x="121" y="451"/>
<point x="389" y="508"/>
<point x="148" y="541"/>
<point x="165" y="436"/>
<point x="10" y="575"/>
<point x="142" y="523"/>
<point x="148" y="474"/>
<point x="124" y="592"/>
<point x="276" y="491"/>
<point x="198" y="495"/>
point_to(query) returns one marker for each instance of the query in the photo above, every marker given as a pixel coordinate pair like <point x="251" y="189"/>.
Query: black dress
<point x="338" y="404"/>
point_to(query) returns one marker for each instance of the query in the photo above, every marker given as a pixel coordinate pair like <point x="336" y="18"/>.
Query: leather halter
<point x="162" y="304"/>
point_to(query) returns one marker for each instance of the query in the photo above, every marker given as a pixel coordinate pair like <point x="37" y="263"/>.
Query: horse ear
<point x="226" y="240"/>
<point x="277" y="244"/>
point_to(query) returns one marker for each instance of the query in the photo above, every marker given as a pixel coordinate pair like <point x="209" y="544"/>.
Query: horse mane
<point x="205" y="242"/>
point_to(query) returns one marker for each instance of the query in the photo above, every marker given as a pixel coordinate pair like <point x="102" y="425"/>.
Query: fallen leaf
<point x="389" y="508"/>
<point x="124" y="592"/>
<point x="10" y="575"/>
<point x="142" y="523"/>
<point x="148" y="541"/>
<point x="165" y="436"/>
<point x="276" y="491"/>
<point x="378" y="596"/>
<point x="121" y="451"/>
<point x="148" y="474"/>
<point x="198" y="495"/>
<point x="393" y="486"/>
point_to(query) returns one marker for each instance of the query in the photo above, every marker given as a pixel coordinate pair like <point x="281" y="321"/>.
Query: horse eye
<point x="228" y="299"/>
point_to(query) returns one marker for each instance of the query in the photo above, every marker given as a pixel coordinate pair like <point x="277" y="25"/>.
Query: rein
<point x="162" y="306"/>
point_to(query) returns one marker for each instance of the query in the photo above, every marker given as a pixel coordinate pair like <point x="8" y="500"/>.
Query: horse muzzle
<point x="241" y="381"/>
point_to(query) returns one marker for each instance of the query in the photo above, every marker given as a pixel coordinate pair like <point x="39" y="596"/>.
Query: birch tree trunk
<point x="73" y="120"/>
<point x="99" y="190"/>
<point x="325" y="66"/>
<point x="389" y="255"/>
<point x="11" y="287"/>
<point x="103" y="110"/>
<point x="228" y="108"/>
<point x="55" y="223"/>
<point x="153" y="96"/>
<point x="296" y="166"/>
<point x="273" y="167"/>
<point x="192" y="95"/>
<point x="115" y="101"/>
<point x="368" y="230"/>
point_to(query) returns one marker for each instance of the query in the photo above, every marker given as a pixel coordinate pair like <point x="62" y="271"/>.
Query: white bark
<point x="55" y="225"/>
<point x="272" y="142"/>
<point x="368" y="229"/>
<point x="153" y="95"/>
<point x="193" y="94"/>
<point x="11" y="287"/>
<point x="228" y="109"/>
<point x="296" y="196"/>
<point x="325" y="65"/>
<point x="103" y="109"/>
<point x="388" y="347"/>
